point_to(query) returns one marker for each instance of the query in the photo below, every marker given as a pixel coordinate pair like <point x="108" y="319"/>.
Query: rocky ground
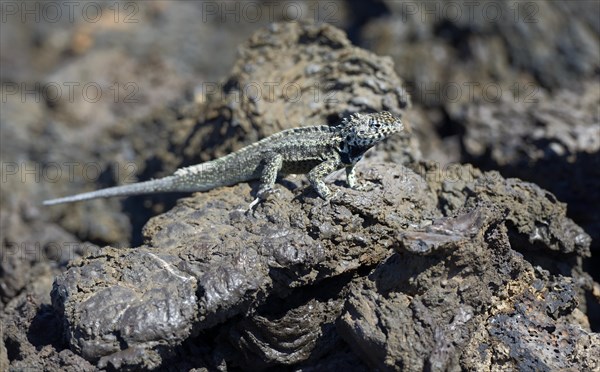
<point x="475" y="250"/>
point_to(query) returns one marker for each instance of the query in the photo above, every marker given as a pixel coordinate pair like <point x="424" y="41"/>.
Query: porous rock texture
<point x="558" y="146"/>
<point x="384" y="273"/>
<point x="509" y="86"/>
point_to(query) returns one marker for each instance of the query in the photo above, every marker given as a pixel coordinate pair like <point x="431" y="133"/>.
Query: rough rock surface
<point x="510" y="86"/>
<point x="210" y="265"/>
<point x="554" y="142"/>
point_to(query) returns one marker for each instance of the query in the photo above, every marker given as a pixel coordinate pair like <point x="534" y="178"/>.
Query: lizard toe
<point x="266" y="193"/>
<point x="364" y="186"/>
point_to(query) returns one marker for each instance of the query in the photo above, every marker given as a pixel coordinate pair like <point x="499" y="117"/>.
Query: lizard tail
<point x="148" y="187"/>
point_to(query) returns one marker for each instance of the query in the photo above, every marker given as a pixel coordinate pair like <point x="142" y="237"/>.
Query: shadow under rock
<point x="46" y="328"/>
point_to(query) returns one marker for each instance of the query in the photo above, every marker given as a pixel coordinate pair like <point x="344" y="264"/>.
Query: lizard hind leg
<point x="270" y="170"/>
<point x="272" y="166"/>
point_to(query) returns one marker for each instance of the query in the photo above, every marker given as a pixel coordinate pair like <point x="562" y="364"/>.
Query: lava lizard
<point x="316" y="151"/>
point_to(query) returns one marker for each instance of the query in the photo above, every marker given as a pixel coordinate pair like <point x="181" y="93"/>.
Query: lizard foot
<point x="263" y="195"/>
<point x="332" y="196"/>
<point x="364" y="186"/>
<point x="266" y="193"/>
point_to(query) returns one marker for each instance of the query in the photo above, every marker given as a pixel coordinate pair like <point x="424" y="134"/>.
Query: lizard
<point x="316" y="151"/>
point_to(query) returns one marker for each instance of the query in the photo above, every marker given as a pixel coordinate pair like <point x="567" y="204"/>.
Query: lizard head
<point x="365" y="130"/>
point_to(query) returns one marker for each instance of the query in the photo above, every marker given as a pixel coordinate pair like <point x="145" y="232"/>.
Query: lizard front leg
<point x="317" y="174"/>
<point x="351" y="176"/>
<point x="353" y="182"/>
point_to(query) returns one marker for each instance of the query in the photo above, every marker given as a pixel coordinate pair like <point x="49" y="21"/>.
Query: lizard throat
<point x="352" y="154"/>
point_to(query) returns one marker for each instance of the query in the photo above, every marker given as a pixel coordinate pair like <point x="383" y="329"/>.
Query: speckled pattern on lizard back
<point x="316" y="151"/>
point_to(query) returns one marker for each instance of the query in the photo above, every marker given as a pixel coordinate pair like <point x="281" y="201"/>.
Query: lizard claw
<point x="253" y="204"/>
<point x="262" y="195"/>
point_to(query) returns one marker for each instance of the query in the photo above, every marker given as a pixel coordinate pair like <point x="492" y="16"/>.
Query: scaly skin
<point x="316" y="151"/>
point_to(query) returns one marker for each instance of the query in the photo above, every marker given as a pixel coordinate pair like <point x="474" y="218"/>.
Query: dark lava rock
<point x="509" y="86"/>
<point x="287" y="282"/>
<point x="554" y="142"/>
